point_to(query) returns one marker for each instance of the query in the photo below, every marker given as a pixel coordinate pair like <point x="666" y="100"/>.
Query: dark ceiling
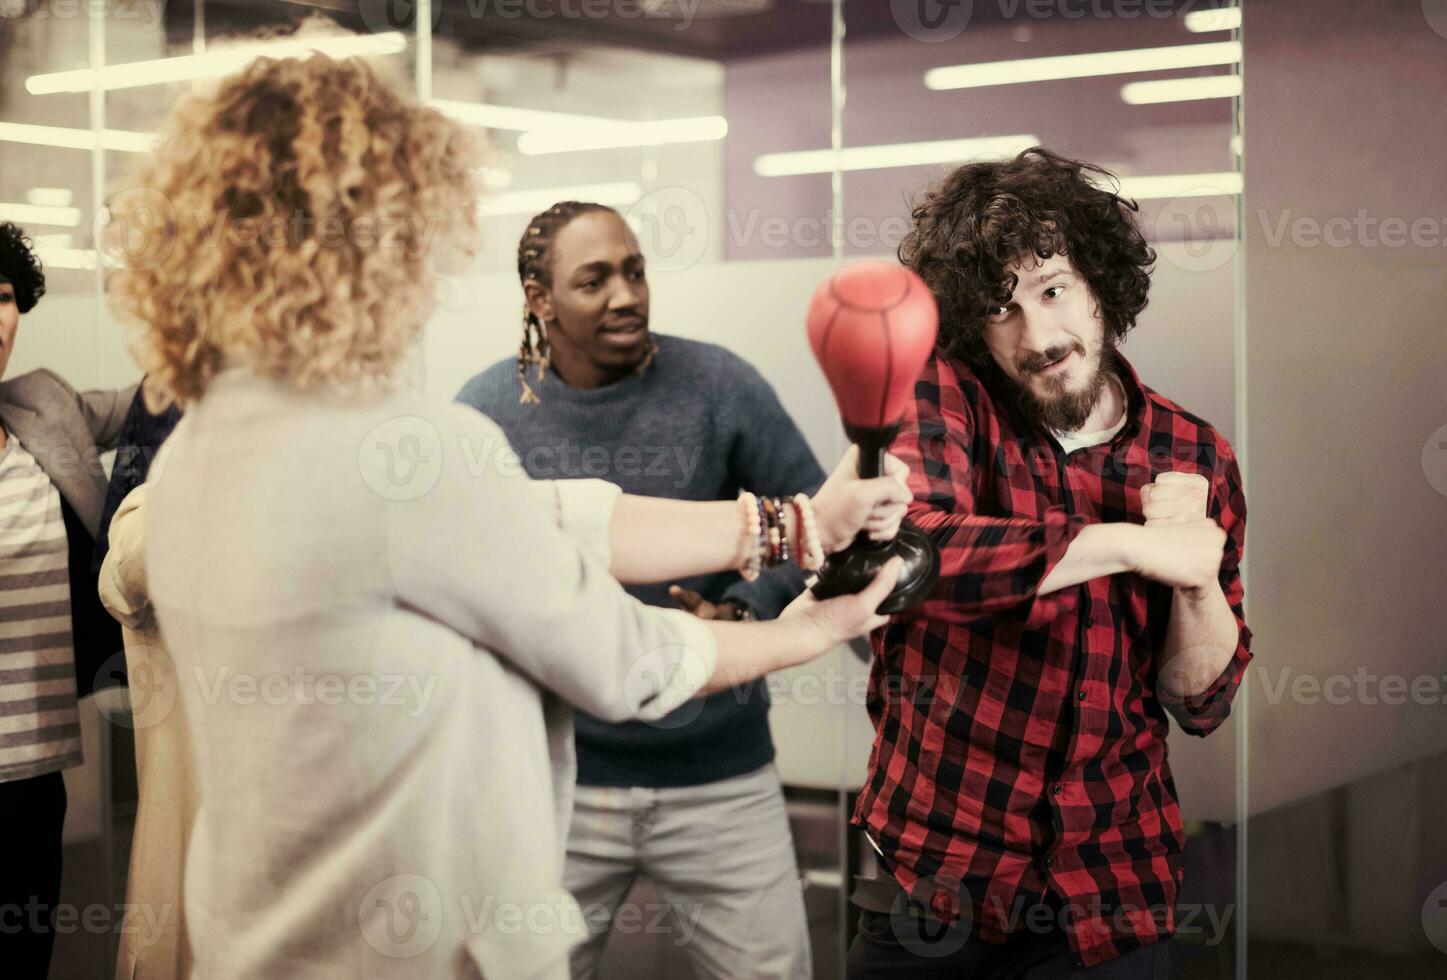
<point x="513" y="25"/>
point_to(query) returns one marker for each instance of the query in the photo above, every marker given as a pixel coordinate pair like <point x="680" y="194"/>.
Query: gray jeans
<point x="721" y="858"/>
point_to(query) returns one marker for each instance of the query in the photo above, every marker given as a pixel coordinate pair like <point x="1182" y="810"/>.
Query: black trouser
<point x="907" y="943"/>
<point x="32" y="816"/>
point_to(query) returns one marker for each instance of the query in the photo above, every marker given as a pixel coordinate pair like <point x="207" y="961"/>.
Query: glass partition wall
<point x="83" y="88"/>
<point x="1348" y="860"/>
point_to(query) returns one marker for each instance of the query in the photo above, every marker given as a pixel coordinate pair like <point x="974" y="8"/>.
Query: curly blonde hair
<point x="286" y="222"/>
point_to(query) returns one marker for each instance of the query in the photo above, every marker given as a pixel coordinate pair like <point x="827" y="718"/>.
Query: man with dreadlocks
<point x="693" y="802"/>
<point x="1090" y="533"/>
<point x="55" y="634"/>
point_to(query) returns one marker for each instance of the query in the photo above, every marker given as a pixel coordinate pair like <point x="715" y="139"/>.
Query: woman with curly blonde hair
<point x="377" y="621"/>
<point x="287" y="221"/>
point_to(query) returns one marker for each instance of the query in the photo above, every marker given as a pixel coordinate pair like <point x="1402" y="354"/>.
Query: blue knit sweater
<point x="699" y="424"/>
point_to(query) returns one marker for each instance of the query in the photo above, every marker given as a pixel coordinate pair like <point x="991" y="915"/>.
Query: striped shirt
<point x="39" y="721"/>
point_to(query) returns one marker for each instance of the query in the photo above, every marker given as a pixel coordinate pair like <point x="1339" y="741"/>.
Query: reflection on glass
<point x="45" y="155"/>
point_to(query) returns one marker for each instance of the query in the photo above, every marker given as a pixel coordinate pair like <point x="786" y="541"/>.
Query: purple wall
<point x="782" y="103"/>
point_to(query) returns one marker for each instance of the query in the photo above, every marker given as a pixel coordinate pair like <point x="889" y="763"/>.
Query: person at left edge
<point x="54" y="635"/>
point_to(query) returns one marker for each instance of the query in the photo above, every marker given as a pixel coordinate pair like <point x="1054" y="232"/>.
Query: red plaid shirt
<point x="1020" y="739"/>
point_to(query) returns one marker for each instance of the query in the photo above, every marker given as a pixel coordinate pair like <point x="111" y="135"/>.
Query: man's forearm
<point x="1200" y="640"/>
<point x="767" y="595"/>
<point x="1097" y="551"/>
<point x="1202" y="633"/>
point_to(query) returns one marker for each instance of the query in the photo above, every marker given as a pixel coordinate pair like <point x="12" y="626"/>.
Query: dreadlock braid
<point x="535" y="265"/>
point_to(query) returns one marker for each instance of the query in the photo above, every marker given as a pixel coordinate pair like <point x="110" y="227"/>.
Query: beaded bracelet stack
<point x="767" y="533"/>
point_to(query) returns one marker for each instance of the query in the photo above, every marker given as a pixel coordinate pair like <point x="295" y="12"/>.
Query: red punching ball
<point x="872" y="326"/>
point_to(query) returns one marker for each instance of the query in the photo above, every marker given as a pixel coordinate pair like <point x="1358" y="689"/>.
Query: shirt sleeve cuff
<point x="1060" y="530"/>
<point x="663" y="679"/>
<point x="583" y="510"/>
<point x="122" y="581"/>
<point x="1201" y="714"/>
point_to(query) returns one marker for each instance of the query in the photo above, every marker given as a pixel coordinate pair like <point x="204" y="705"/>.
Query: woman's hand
<point x="809" y="628"/>
<point x="846" y="505"/>
<point x="844" y="617"/>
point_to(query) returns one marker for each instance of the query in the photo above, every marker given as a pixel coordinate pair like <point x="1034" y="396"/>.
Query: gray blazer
<point x="66" y="431"/>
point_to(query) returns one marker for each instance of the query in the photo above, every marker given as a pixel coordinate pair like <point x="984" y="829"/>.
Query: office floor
<point x="82" y="954"/>
<point x="83" y="951"/>
<point x="639" y="958"/>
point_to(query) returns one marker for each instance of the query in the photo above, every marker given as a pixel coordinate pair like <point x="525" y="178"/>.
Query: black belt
<point x="885" y="895"/>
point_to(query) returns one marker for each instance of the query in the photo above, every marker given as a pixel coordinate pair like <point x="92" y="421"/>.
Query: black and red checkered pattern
<point x="1020" y="746"/>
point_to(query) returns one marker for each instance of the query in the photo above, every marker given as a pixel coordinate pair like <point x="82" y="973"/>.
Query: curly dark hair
<point x="20" y="267"/>
<point x="984" y="216"/>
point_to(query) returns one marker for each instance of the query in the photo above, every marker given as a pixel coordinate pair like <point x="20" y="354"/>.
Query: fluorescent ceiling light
<point x="1181" y="89"/>
<point x="889" y="155"/>
<point x="54" y="197"/>
<point x="212" y="64"/>
<point x="1220" y="19"/>
<point x="533" y="202"/>
<point x="39" y="214"/>
<point x="1083" y="65"/>
<point x="707" y="8"/>
<point x="520" y="120"/>
<point x="599" y="136"/>
<point x="76" y="139"/>
<point x="1222" y="184"/>
<point x="67" y="258"/>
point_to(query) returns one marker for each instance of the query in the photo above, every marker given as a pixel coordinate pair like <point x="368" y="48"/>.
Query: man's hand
<point x="1175" y="498"/>
<point x="691" y="601"/>
<point x="1185" y="555"/>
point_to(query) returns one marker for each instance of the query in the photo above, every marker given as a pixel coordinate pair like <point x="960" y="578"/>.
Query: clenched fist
<point x="1175" y="498"/>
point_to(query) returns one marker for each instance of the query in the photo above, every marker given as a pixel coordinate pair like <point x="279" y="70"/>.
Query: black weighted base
<point x="847" y="572"/>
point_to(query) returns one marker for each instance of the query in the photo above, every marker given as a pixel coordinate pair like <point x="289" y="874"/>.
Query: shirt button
<point x="1050" y="862"/>
<point x="1081" y="695"/>
<point x="1056" y="789"/>
<point x="1089" y="621"/>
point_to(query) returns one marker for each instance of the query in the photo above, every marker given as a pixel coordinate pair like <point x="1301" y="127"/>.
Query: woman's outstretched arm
<point x="652" y="539"/>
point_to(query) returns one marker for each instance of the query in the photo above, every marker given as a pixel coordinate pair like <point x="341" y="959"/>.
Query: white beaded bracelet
<point x="750" y="556"/>
<point x="811" y="552"/>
